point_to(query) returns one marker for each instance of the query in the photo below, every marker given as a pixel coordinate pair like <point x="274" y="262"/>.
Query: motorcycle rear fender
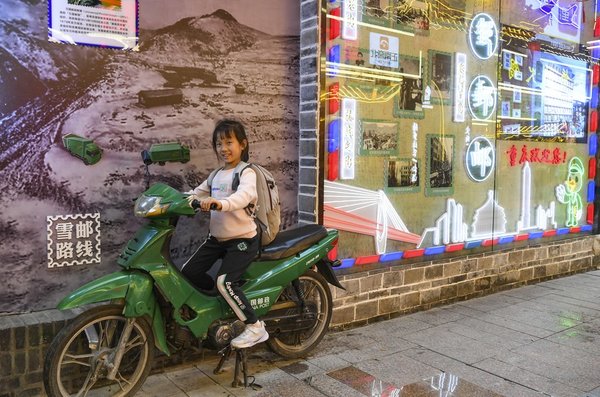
<point x="133" y="286"/>
<point x="327" y="272"/>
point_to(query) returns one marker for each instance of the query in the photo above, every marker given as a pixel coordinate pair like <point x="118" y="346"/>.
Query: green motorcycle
<point x="108" y="349"/>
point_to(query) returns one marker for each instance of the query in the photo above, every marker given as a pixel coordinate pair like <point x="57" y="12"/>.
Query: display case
<point x="447" y="129"/>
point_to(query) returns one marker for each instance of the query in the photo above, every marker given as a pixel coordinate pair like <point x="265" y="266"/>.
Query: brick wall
<point x="385" y="292"/>
<point x="309" y="103"/>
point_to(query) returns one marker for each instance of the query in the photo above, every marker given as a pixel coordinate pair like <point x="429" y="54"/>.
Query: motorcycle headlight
<point x="146" y="206"/>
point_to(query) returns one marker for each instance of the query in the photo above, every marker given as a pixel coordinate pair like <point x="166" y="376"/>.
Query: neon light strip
<point x="460" y="87"/>
<point x="516" y="118"/>
<point x="339" y="65"/>
<point x="368" y="25"/>
<point x="350" y="20"/>
<point x="348" y="139"/>
<point x="527" y="90"/>
<point x="565" y="64"/>
<point x="349" y="74"/>
<point x="391" y="256"/>
<point x="516" y="53"/>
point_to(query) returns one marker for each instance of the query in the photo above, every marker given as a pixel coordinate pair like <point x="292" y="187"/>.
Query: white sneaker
<point x="253" y="334"/>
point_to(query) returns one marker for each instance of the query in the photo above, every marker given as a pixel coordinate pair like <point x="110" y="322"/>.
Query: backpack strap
<point x="237" y="173"/>
<point x="211" y="176"/>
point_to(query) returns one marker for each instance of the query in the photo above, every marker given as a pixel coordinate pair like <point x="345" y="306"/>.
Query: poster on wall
<point x="76" y="118"/>
<point x="555" y="18"/>
<point x="544" y="93"/>
<point x="440" y="164"/>
<point x="103" y="23"/>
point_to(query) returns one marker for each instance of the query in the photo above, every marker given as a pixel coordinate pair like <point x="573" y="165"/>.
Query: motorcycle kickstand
<point x="240" y="356"/>
<point x="225" y="354"/>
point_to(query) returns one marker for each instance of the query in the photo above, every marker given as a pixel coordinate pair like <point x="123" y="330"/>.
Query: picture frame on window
<point x="378" y="138"/>
<point x="440" y="165"/>
<point x="402" y="175"/>
<point x="440" y="76"/>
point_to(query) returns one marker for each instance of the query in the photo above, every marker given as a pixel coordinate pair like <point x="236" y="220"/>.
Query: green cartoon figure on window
<point x="568" y="192"/>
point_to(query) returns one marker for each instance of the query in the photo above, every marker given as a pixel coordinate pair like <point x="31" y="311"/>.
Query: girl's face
<point x="230" y="149"/>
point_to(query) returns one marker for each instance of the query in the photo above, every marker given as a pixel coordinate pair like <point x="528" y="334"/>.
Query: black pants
<point x="236" y="256"/>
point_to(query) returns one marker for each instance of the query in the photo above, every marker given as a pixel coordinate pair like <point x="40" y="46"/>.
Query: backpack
<point x="267" y="210"/>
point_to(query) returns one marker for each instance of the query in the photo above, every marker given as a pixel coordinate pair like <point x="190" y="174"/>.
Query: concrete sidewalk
<point x="537" y="340"/>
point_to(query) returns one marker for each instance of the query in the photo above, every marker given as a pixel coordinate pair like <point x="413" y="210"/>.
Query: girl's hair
<point x="227" y="128"/>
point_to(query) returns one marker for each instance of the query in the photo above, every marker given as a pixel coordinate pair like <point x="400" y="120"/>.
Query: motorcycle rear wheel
<point x="79" y="357"/>
<point x="317" y="297"/>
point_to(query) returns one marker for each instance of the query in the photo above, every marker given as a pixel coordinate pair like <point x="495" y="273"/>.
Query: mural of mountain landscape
<point x="221" y="67"/>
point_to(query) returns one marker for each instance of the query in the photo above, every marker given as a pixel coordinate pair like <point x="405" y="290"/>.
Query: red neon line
<point x="549" y="233"/>
<point x="414" y="253"/>
<point x="365" y="260"/>
<point x="576" y="229"/>
<point x="455" y="247"/>
<point x="521" y="237"/>
<point x="487" y="243"/>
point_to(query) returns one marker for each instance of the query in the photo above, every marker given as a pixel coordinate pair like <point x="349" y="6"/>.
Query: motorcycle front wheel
<point x="318" y="307"/>
<point x="82" y="355"/>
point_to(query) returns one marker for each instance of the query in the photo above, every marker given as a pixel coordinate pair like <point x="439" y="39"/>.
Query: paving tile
<point x="496" y="334"/>
<point x="330" y="387"/>
<point x="328" y="363"/>
<point x="529" y="291"/>
<point x="462" y="348"/>
<point x="482" y="378"/>
<point x="465" y="310"/>
<point x="529" y="313"/>
<point x="517" y="324"/>
<point x="160" y="386"/>
<point x="557" y="297"/>
<point x="585" y="337"/>
<point x="397" y="369"/>
<point x="524" y="377"/>
<point x="491" y="302"/>
<point x="301" y="369"/>
<point x="190" y="379"/>
<point x="437" y="316"/>
<point x="592" y="393"/>
<point x="576" y="368"/>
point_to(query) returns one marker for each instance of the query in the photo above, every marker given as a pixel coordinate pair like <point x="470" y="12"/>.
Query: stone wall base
<point x="389" y="291"/>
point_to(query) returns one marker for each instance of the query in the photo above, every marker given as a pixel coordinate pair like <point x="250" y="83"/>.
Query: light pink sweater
<point x="232" y="221"/>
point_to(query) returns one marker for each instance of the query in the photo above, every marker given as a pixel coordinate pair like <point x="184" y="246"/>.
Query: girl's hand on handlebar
<point x="210" y="203"/>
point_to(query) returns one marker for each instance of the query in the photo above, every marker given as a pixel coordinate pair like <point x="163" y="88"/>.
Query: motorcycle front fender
<point x="133" y="286"/>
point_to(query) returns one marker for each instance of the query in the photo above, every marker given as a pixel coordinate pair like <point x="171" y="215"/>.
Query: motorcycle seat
<point x="290" y="242"/>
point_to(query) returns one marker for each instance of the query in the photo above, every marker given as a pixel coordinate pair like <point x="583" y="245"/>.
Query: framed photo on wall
<point x="401" y="175"/>
<point x="440" y="76"/>
<point x="412" y="16"/>
<point x="440" y="165"/>
<point x="378" y="12"/>
<point x="409" y="101"/>
<point x="378" y="138"/>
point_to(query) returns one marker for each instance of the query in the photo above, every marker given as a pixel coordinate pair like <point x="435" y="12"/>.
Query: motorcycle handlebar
<point x="196" y="205"/>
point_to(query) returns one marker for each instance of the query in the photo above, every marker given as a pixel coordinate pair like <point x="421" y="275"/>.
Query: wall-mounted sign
<point x="348" y="139"/>
<point x="460" y="87"/>
<point x="480" y="159"/>
<point x="73" y="239"/>
<point x="383" y="50"/>
<point x="483" y="36"/>
<point x="414" y="171"/>
<point x="535" y="155"/>
<point x="110" y="24"/>
<point x="482" y="97"/>
<point x="350" y="28"/>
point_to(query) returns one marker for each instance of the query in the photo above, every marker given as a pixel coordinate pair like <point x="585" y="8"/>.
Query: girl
<point x="233" y="237"/>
